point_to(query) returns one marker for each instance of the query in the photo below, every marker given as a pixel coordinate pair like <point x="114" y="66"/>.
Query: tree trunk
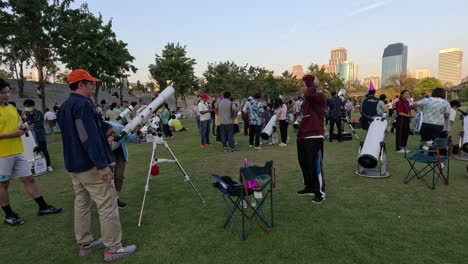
<point x="21" y="81"/>
<point x="121" y="88"/>
<point x="96" y="92"/>
<point x="40" y="69"/>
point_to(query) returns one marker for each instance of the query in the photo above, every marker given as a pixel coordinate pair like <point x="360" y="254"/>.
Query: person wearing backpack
<point x="335" y="105"/>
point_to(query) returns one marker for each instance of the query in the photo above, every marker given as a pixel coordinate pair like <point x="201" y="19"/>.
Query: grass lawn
<point x="362" y="221"/>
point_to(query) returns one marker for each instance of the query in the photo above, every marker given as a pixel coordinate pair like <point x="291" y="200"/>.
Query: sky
<point x="278" y="34"/>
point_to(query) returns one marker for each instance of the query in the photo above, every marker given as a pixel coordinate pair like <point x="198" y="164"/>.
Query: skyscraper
<point x="347" y="71"/>
<point x="337" y="56"/>
<point x="375" y="79"/>
<point x="394" y="61"/>
<point x="297" y="71"/>
<point x="450" y="65"/>
<point x="422" y="73"/>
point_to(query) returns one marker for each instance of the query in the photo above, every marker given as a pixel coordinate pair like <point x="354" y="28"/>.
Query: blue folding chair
<point x="240" y="200"/>
<point x="435" y="160"/>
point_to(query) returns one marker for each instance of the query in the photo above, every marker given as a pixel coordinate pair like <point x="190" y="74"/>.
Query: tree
<point x="401" y="82"/>
<point x="328" y="81"/>
<point x="84" y="41"/>
<point x="173" y="66"/>
<point x="5" y="74"/>
<point x="426" y="85"/>
<point x="290" y="85"/>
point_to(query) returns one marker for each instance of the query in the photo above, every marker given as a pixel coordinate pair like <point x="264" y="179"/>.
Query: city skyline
<point x="278" y="35"/>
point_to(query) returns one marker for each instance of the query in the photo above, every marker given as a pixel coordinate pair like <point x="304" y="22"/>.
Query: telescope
<point x="372" y="150"/>
<point x="144" y="115"/>
<point x="341" y="92"/>
<point x="268" y="130"/>
<point x="464" y="145"/>
<point x="125" y="113"/>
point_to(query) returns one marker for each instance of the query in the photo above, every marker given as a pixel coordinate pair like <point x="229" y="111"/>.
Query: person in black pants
<point x="403" y="120"/>
<point x="310" y="139"/>
<point x="282" y="115"/>
<point x="335" y="106"/>
<point x="35" y="119"/>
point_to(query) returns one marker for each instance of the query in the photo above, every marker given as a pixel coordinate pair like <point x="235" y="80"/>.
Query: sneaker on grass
<point x="305" y="192"/>
<point x="49" y="210"/>
<point x="13" y="220"/>
<point x="87" y="249"/>
<point x="120" y="253"/>
<point x="318" y="199"/>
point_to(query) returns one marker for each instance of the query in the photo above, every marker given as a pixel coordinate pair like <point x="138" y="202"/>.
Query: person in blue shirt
<point x="87" y="157"/>
<point x="120" y="152"/>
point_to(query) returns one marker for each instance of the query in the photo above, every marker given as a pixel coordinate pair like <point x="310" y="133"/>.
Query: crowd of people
<point x="96" y="160"/>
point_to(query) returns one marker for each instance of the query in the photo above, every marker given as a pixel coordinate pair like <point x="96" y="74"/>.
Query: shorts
<point x="13" y="167"/>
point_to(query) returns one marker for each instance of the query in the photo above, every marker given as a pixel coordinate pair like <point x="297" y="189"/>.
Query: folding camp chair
<point x="435" y="160"/>
<point x="248" y="203"/>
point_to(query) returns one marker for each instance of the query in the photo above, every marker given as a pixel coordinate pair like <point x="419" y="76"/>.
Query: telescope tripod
<point x="347" y="120"/>
<point x="158" y="140"/>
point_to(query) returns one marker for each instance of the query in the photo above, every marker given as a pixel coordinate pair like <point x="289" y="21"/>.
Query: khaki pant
<point x="89" y="187"/>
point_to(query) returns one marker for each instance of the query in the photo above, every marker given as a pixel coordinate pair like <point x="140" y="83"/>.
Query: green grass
<point x="362" y="221"/>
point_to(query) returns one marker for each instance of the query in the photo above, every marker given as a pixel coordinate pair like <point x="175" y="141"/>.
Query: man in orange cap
<point x="87" y="158"/>
<point x="205" y="117"/>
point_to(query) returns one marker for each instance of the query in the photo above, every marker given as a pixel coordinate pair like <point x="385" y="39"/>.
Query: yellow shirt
<point x="9" y="119"/>
<point x="177" y="125"/>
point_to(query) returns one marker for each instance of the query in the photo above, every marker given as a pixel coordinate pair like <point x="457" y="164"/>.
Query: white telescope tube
<point x="144" y="115"/>
<point x="268" y="130"/>
<point x="465" y="134"/>
<point x="125" y="113"/>
<point x="370" y="151"/>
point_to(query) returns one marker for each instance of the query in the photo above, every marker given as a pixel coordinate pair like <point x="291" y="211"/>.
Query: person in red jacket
<point x="310" y="139"/>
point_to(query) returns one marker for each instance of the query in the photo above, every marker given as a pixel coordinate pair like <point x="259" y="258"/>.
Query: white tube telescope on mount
<point x="268" y="130"/>
<point x="143" y="116"/>
<point x="465" y="133"/>
<point x="125" y="113"/>
<point x="370" y="151"/>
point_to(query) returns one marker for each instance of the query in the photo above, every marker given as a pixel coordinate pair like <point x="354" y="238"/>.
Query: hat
<point x="250" y="98"/>
<point x="205" y="96"/>
<point x="81" y="75"/>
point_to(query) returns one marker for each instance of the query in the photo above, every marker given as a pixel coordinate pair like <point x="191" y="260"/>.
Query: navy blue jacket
<point x="84" y="143"/>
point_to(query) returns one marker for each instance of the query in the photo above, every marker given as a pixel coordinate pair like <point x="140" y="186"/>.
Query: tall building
<point x="450" y="65"/>
<point x="422" y="73"/>
<point x="337" y="56"/>
<point x="375" y="81"/>
<point x="297" y="71"/>
<point x="394" y="61"/>
<point x="347" y="71"/>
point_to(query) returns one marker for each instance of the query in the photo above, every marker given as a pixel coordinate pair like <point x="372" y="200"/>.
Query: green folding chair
<point x="244" y="208"/>
<point x="435" y="161"/>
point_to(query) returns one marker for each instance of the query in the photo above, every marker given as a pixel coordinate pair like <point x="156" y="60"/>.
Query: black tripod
<point x="346" y="119"/>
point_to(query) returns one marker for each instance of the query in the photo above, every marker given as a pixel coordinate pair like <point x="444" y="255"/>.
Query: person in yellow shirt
<point x="13" y="163"/>
<point x="176" y="125"/>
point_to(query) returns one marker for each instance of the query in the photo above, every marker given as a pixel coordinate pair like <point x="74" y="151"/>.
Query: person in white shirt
<point x="51" y="120"/>
<point x="205" y="118"/>
<point x="454" y="105"/>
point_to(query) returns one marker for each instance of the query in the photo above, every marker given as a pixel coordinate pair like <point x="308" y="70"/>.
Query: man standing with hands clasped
<point x="87" y="157"/>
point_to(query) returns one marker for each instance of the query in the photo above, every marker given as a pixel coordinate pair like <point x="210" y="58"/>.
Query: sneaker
<point x="49" y="168"/>
<point x="203" y="145"/>
<point x="250" y="146"/>
<point x="403" y="151"/>
<point x="258" y="148"/>
<point x="50" y="210"/>
<point x="208" y="144"/>
<point x="318" y="199"/>
<point x="232" y="150"/>
<point x="121" y="204"/>
<point x="282" y="144"/>
<point x="120" y="253"/>
<point x="13" y="220"/>
<point x="85" y="250"/>
<point x="225" y="149"/>
<point x="305" y="192"/>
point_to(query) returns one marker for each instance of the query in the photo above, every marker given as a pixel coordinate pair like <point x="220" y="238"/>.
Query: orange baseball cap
<point x="81" y="75"/>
